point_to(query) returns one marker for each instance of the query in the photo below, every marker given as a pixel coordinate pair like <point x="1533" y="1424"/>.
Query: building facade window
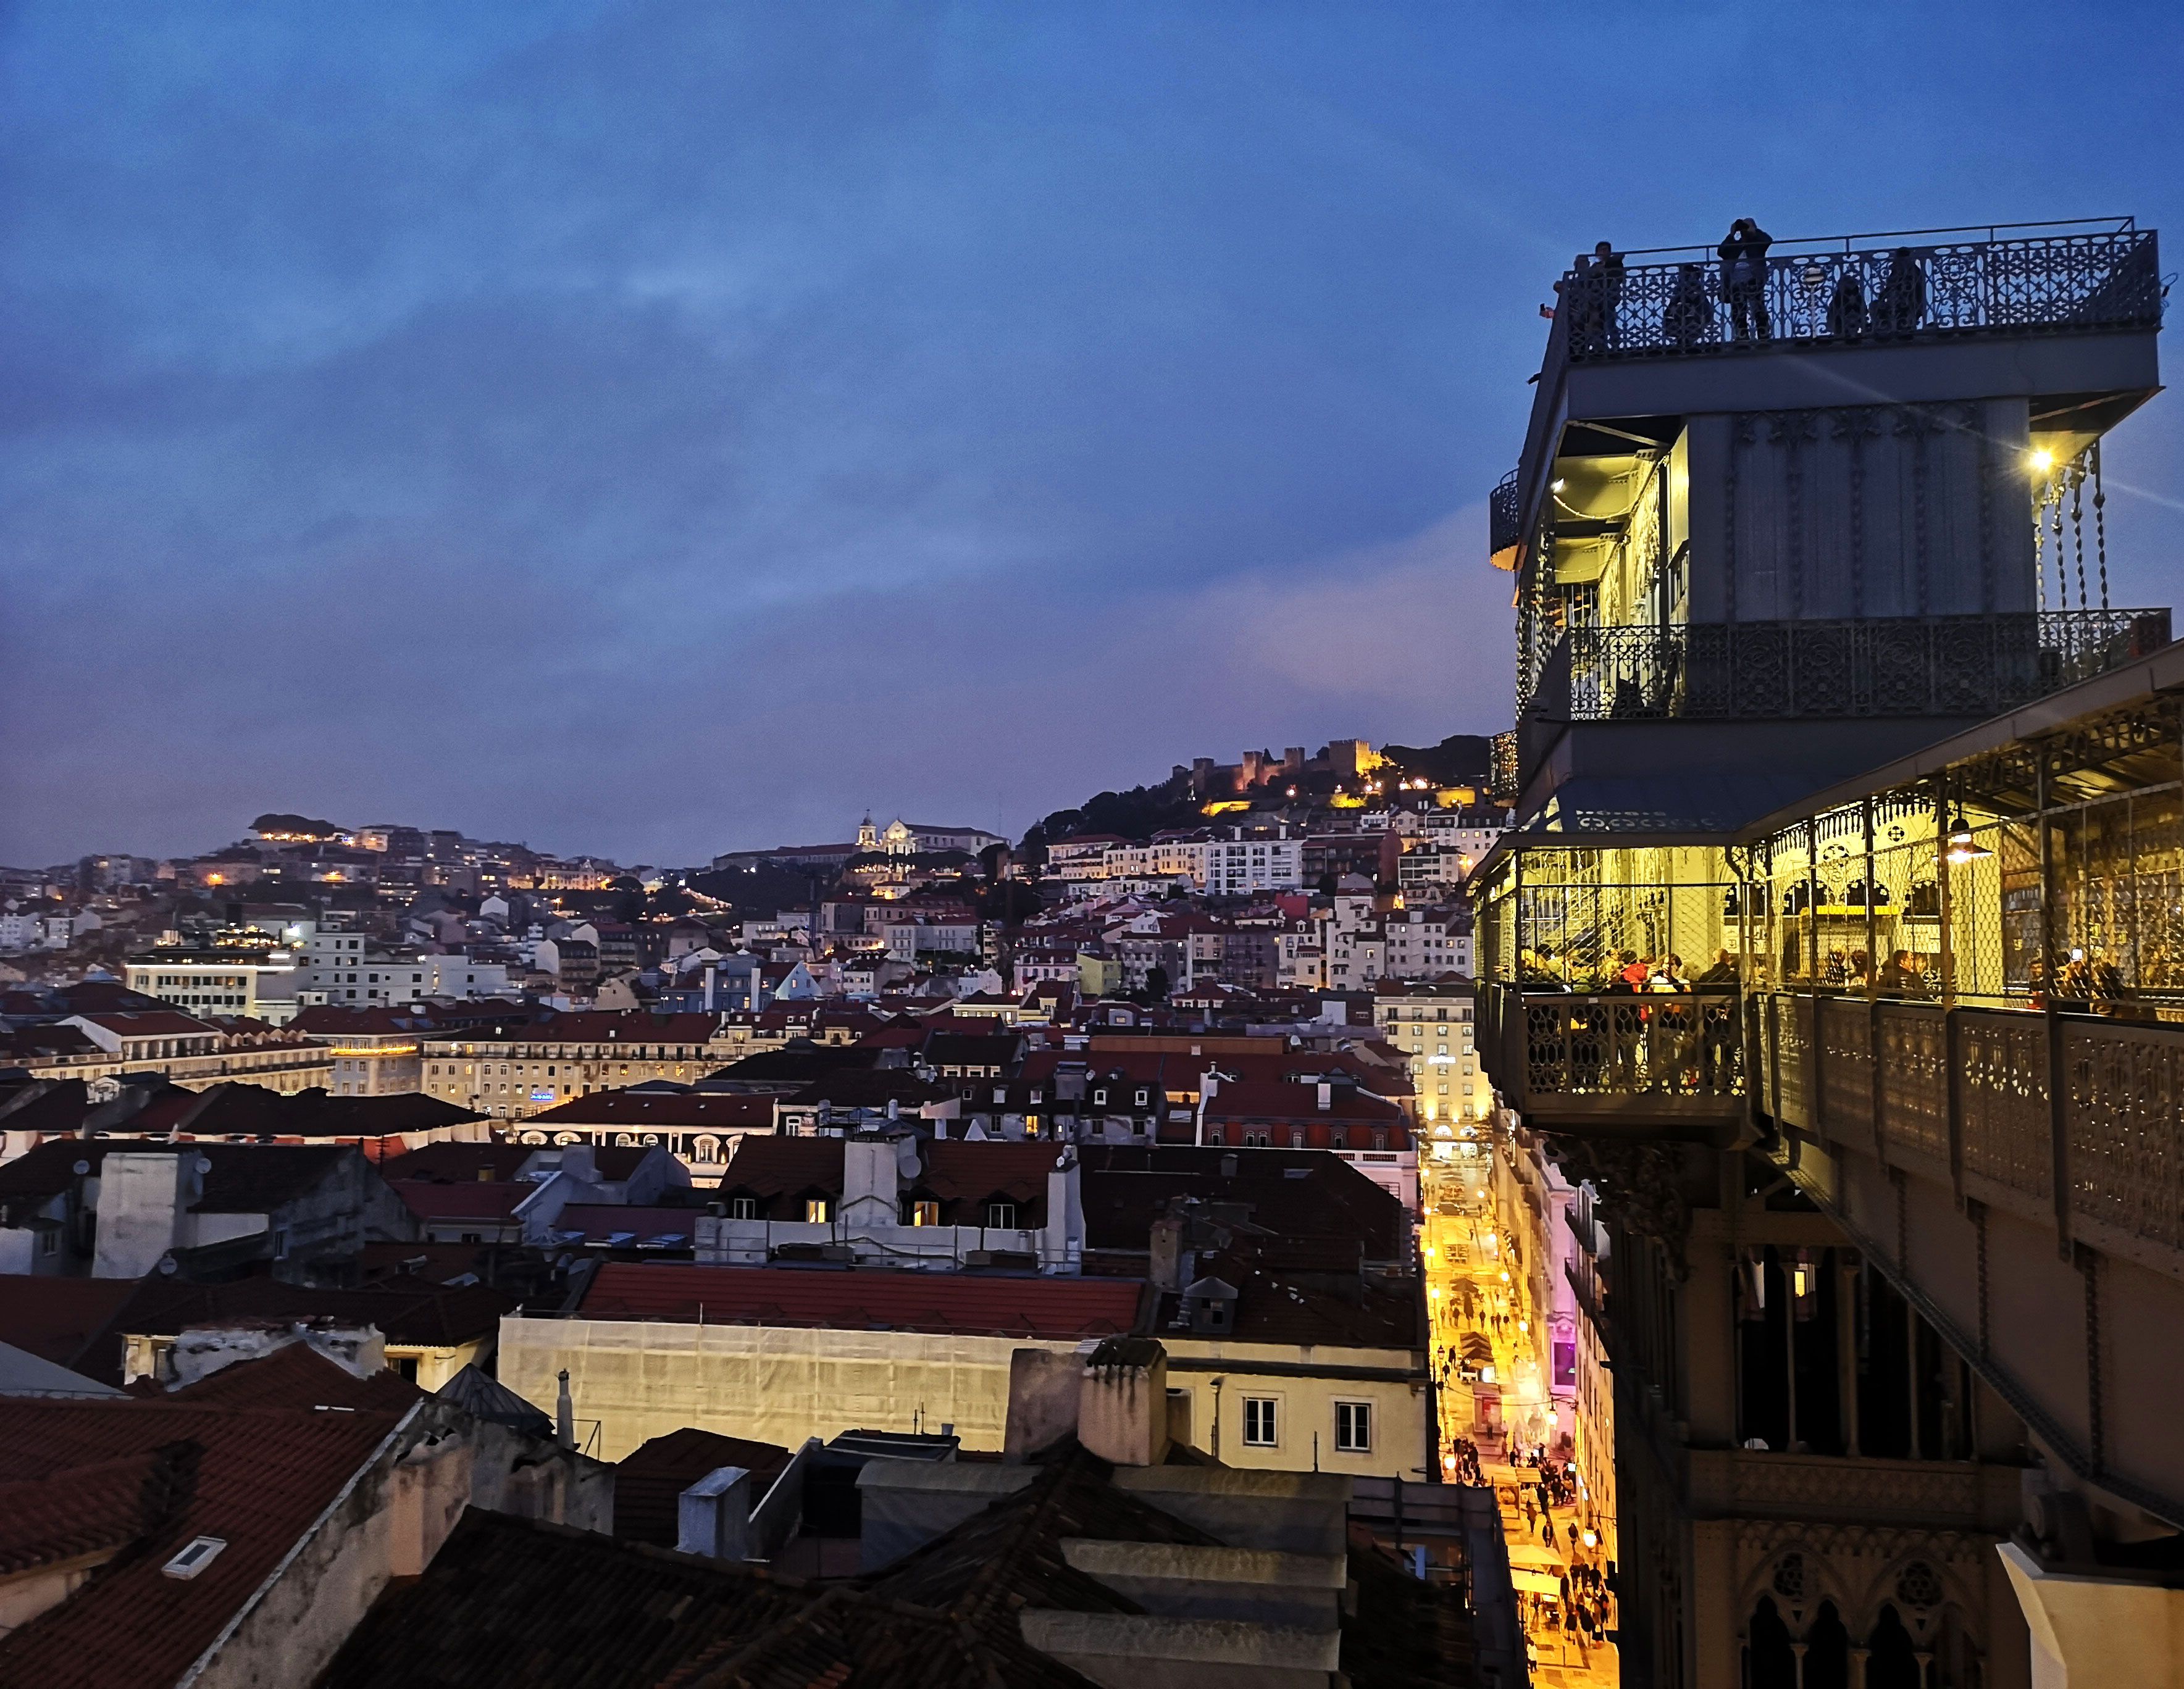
<point x="816" y="1211"/>
<point x="1353" y="1427"/>
<point x="743" y="1207"/>
<point x="1001" y="1216"/>
<point x="1259" y="1423"/>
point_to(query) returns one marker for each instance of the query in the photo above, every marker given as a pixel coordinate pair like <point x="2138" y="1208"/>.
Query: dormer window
<point x="1001" y="1216"/>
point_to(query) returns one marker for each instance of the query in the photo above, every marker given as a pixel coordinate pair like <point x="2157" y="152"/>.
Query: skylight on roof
<point x="197" y="1554"/>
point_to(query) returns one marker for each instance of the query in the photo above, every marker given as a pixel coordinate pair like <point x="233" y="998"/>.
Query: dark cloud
<point x="657" y="428"/>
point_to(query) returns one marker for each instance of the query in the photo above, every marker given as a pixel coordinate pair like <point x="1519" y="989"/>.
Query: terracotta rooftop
<point x="256" y="1476"/>
<point x="411" y="1311"/>
<point x="461" y="1163"/>
<point x="1299" y="1195"/>
<point x="963" y="1304"/>
<point x="64" y="1320"/>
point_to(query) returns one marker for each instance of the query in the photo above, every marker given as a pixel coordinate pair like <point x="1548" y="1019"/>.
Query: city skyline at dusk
<point x="660" y="431"/>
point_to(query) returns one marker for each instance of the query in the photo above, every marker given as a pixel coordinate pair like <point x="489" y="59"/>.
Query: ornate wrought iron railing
<point x="1505" y="512"/>
<point x="1920" y="285"/>
<point x="1968" y="1095"/>
<point x="1898" y="665"/>
<point x="1686" y="1043"/>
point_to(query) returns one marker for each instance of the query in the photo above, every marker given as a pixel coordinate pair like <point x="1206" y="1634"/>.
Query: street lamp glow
<point x="2044" y="460"/>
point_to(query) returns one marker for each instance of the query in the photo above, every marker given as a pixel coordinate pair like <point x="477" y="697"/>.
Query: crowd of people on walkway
<point x="1624" y="971"/>
<point x="1596" y="294"/>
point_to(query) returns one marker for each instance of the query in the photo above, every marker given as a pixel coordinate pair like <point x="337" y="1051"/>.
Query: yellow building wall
<point x="1305" y="1414"/>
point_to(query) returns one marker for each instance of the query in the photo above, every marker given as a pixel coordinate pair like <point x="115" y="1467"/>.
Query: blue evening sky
<point x="659" y="428"/>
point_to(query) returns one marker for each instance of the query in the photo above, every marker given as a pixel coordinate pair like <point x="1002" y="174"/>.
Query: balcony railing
<point x="1898" y="665"/>
<point x="1966" y="1095"/>
<point x="1559" y="1054"/>
<point x="1924" y="285"/>
<point x="1505" y="514"/>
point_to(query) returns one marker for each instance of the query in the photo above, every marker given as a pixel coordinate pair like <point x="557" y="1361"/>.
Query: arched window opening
<point x="1892" y="1659"/>
<point x="1769" y="1661"/>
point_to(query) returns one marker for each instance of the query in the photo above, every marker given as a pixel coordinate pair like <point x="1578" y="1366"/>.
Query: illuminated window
<point x="925" y="1214"/>
<point x="817" y="1210"/>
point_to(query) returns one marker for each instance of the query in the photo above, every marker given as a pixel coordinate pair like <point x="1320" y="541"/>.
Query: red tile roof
<point x="60" y="1319"/>
<point x="256" y="1477"/>
<point x="81" y="1511"/>
<point x="151" y="1023"/>
<point x="1245" y="1100"/>
<point x="496" y="1199"/>
<point x="299" y="1378"/>
<point x="950" y="1169"/>
<point x="963" y="1304"/>
<point x="409" y="1311"/>
<point x="461" y="1163"/>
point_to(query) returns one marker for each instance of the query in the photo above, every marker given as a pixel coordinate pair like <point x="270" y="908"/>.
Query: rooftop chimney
<point x="1121" y="1412"/>
<point x="564" y="1414"/>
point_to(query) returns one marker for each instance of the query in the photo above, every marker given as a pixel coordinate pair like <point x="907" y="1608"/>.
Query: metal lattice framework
<point x="1915" y="288"/>
<point x="1900" y="666"/>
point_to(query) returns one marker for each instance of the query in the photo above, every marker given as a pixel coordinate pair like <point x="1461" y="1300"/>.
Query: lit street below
<point x="1495" y="1410"/>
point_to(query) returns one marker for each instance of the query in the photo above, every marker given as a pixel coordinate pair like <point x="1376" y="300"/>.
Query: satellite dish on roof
<point x="83" y="1168"/>
<point x="168" y="1265"/>
<point x="204" y="1164"/>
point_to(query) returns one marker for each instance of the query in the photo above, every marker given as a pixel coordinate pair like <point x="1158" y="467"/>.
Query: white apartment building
<point x="1083" y="857"/>
<point x="1356" y="959"/>
<point x="340" y="968"/>
<point x="46" y="931"/>
<point x="1185" y="858"/>
<point x="1468" y="833"/>
<point x="1240" y="868"/>
<point x="1426" y="943"/>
